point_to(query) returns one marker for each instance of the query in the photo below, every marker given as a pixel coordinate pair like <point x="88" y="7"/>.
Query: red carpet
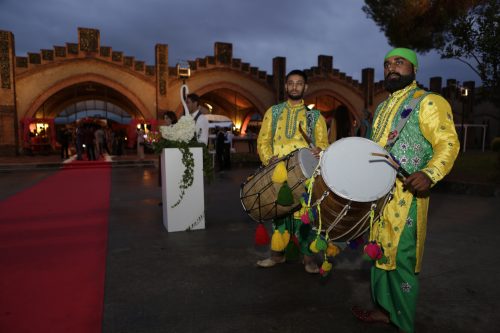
<point x="53" y="240"/>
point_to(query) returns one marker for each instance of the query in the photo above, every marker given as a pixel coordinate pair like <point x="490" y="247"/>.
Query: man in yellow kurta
<point x="278" y="137"/>
<point x="417" y="128"/>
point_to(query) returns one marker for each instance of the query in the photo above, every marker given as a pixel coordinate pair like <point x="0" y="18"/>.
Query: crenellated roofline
<point x="88" y="46"/>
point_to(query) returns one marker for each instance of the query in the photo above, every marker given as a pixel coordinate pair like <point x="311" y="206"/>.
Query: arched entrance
<point x="80" y="104"/>
<point x="234" y="103"/>
<point x="229" y="103"/>
<point x="336" y="111"/>
<point x="237" y="107"/>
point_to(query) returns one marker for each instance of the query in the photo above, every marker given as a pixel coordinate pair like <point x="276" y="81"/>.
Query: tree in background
<point x="466" y="30"/>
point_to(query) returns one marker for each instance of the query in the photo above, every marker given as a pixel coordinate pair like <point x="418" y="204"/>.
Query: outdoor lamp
<point x="464" y="91"/>
<point x="183" y="70"/>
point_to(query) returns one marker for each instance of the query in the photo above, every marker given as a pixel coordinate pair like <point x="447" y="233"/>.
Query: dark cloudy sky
<point x="258" y="29"/>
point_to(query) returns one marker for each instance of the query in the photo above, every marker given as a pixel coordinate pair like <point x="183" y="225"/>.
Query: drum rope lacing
<point x="340" y="216"/>
<point x="378" y="218"/>
<point x="369" y="215"/>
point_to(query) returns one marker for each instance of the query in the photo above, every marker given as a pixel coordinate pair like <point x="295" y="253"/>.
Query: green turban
<point x="408" y="54"/>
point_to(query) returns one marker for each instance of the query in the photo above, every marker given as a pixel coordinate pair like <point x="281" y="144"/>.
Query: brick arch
<point x="236" y="88"/>
<point x="343" y="99"/>
<point x="246" y="120"/>
<point x="205" y="81"/>
<point x="127" y="93"/>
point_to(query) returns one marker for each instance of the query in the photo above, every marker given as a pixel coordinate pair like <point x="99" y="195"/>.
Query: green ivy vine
<point x="187" y="161"/>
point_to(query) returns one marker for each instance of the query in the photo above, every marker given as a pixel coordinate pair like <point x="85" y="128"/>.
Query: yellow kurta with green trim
<point x="284" y="143"/>
<point x="436" y="125"/>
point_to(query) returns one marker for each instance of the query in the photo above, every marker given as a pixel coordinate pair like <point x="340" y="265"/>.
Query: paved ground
<point x="206" y="280"/>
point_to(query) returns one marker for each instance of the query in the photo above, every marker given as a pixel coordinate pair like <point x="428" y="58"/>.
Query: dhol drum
<point x="258" y="193"/>
<point x="352" y="183"/>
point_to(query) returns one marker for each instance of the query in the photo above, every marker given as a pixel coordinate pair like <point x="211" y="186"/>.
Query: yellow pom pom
<point x="326" y="266"/>
<point x="286" y="238"/>
<point x="277" y="242"/>
<point x="332" y="250"/>
<point x="280" y="174"/>
<point x="313" y="247"/>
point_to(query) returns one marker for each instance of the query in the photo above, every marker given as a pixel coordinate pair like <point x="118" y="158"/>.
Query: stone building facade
<point x="41" y="86"/>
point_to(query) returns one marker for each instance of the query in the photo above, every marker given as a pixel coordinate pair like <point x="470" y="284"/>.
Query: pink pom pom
<point x="373" y="251"/>
<point x="305" y="218"/>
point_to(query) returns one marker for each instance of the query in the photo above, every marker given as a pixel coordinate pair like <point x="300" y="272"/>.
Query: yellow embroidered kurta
<point x="437" y="127"/>
<point x="287" y="137"/>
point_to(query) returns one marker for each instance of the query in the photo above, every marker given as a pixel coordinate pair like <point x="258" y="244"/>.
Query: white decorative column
<point x="189" y="214"/>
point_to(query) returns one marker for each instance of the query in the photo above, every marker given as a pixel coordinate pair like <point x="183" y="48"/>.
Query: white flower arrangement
<point x="182" y="131"/>
<point x="181" y="135"/>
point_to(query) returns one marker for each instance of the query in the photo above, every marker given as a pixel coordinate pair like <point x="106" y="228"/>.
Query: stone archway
<point x="226" y="84"/>
<point x="105" y="88"/>
<point x="337" y="109"/>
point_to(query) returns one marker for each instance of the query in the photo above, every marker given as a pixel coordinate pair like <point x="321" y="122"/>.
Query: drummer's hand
<point x="418" y="182"/>
<point x="315" y="151"/>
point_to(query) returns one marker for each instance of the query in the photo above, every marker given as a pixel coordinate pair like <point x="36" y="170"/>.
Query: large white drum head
<point x="307" y="162"/>
<point x="351" y="172"/>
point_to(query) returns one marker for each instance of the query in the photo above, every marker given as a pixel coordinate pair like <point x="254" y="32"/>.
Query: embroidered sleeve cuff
<point x="432" y="174"/>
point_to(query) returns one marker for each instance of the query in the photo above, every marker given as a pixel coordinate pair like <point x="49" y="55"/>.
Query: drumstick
<point x="304" y="135"/>
<point x="395" y="164"/>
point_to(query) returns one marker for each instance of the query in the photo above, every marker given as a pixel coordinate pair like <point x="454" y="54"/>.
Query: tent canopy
<point x="218" y="120"/>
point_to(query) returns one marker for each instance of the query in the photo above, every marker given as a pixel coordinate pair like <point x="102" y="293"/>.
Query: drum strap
<point x="311" y="119"/>
<point x="405" y="116"/>
<point x="312" y="116"/>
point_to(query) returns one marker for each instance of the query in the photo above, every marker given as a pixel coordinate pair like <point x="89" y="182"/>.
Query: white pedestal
<point x="190" y="213"/>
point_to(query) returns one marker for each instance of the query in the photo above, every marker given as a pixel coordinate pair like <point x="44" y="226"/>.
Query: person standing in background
<point x="140" y="144"/>
<point x="193" y="104"/>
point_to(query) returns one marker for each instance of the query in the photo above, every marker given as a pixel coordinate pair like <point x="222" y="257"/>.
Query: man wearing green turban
<point x="417" y="128"/>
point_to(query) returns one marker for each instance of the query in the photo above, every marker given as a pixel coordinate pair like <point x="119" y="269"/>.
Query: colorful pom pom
<point x="277" y="242"/>
<point x="373" y="251"/>
<point x="280" y="175"/>
<point x="321" y="244"/>
<point x="313" y="247"/>
<point x="285" y="195"/>
<point x="261" y="236"/>
<point x="332" y="250"/>
<point x="326" y="266"/>
<point x="317" y="245"/>
<point x="286" y="237"/>
<point x="325" y="269"/>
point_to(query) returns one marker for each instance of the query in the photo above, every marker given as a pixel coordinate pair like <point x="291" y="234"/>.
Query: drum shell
<point x="356" y="176"/>
<point x="353" y="224"/>
<point x="260" y="186"/>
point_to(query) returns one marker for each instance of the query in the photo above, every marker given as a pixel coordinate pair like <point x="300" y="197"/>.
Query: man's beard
<point x="392" y="85"/>
<point x="295" y="97"/>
